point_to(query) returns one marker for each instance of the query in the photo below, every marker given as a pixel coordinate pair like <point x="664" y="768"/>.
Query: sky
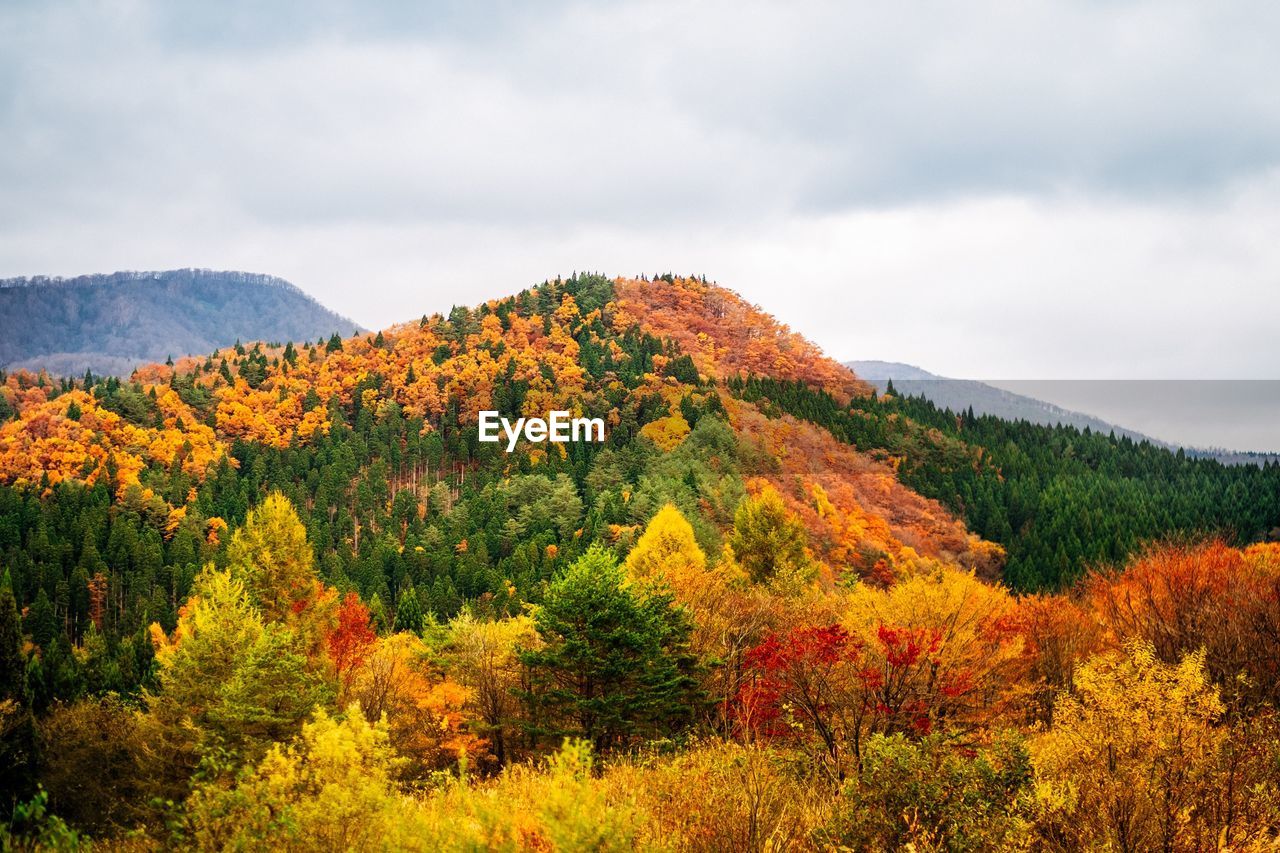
<point x="1014" y="190"/>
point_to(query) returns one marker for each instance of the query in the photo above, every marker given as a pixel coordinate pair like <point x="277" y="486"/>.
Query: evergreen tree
<point x="615" y="665"/>
<point x="270" y="555"/>
<point x="42" y="624"/>
<point x="409" y="616"/>
<point x="766" y="537"/>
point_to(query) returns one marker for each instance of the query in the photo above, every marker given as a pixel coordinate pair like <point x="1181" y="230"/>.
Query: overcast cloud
<point x="1012" y="190"/>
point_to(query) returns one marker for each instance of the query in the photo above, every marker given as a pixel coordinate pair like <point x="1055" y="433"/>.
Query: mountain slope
<point x="591" y="345"/>
<point x="958" y="395"/>
<point x="707" y="400"/>
<point x="111" y="323"/>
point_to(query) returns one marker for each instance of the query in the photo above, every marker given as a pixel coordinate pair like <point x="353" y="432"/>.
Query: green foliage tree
<point x="767" y="538"/>
<point x="42" y="623"/>
<point x="409" y="615"/>
<point x="270" y="555"/>
<point x="615" y="663"/>
<point x="927" y="795"/>
<point x="239" y="682"/>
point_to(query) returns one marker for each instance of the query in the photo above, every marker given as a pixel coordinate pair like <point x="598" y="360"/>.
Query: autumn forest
<point x="281" y="597"/>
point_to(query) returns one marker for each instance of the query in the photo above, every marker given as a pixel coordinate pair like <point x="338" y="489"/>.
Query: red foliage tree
<point x="352" y="639"/>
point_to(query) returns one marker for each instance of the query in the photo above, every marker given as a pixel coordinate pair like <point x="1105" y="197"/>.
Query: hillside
<point x="647" y="356"/>
<point x="111" y="323"/>
<point x="289" y="599"/>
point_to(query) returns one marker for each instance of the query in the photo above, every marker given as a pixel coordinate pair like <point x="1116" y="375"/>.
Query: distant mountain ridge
<point x="111" y="322"/>
<point x="961" y="394"/>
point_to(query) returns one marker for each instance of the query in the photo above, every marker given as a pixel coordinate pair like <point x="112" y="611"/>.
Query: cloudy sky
<point x="995" y="190"/>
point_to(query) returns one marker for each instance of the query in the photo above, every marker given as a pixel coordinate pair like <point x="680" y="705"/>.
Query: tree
<point x="925" y="795"/>
<point x="240" y="683"/>
<point x="42" y="624"/>
<point x="667" y="549"/>
<point x="13" y="661"/>
<point x="1137" y="759"/>
<point x="332" y="790"/>
<point x="352" y="639"/>
<point x="944" y="650"/>
<point x="409" y="615"/>
<point x="615" y="664"/>
<point x="102" y="765"/>
<point x="270" y="555"/>
<point x="766" y="537"/>
<point x="809" y="685"/>
<point x="484" y="657"/>
<point x="1180" y="597"/>
<point x="423" y="707"/>
<point x="668" y="432"/>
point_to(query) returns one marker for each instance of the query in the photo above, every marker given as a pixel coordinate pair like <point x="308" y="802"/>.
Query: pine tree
<point x="41" y="622"/>
<point x="378" y="614"/>
<point x="409" y="616"/>
<point x="616" y="663"/>
<point x="271" y="556"/>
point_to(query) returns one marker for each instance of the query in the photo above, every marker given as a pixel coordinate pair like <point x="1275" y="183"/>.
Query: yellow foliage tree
<point x="667" y="549"/>
<point x="331" y="790"/>
<point x="948" y="647"/>
<point x="484" y="657"/>
<point x="1134" y="759"/>
<point x="270" y="555"/>
<point x="666" y="432"/>
<point x="425" y="710"/>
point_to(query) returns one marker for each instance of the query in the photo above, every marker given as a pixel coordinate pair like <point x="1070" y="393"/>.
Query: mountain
<point x="111" y="323"/>
<point x="706" y="398"/>
<point x="960" y="395"/>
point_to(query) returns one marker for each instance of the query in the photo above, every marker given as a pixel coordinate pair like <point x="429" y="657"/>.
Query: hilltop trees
<point x="1059" y="500"/>
<point x="369" y="628"/>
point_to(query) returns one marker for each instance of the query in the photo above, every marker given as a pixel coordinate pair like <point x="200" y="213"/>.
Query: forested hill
<point x="288" y="598"/>
<point x="118" y="492"/>
<point x="1059" y="499"/>
<point x="109" y="324"/>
